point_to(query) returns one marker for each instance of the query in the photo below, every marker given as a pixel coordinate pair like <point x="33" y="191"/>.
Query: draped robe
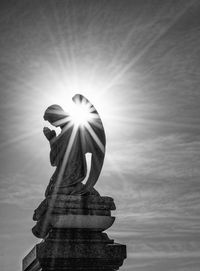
<point x="70" y="173"/>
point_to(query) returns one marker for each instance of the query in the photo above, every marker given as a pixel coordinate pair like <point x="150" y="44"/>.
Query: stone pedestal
<point x="75" y="239"/>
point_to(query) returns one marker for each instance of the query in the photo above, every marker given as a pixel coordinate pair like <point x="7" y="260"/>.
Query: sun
<point x="80" y="113"/>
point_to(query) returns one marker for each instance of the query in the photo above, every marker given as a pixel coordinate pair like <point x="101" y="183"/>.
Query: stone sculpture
<point x="67" y="154"/>
<point x="69" y="174"/>
<point x="72" y="217"/>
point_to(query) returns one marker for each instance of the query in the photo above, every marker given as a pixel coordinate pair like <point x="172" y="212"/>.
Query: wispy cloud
<point x="171" y="156"/>
<point x="16" y="189"/>
<point x="155" y="183"/>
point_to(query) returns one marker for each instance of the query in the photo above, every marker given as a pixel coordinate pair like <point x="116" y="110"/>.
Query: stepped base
<point x="66" y="211"/>
<point x="75" y="249"/>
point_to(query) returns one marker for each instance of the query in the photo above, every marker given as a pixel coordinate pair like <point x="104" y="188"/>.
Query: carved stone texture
<point x="75" y="249"/>
<point x="75" y="240"/>
<point x="65" y="211"/>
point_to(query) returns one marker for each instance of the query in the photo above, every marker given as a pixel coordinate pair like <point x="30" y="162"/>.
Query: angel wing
<point x="93" y="140"/>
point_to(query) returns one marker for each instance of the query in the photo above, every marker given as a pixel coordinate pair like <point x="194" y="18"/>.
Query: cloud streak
<point x="167" y="157"/>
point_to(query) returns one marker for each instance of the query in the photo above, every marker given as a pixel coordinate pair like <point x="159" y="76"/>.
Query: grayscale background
<point x="138" y="61"/>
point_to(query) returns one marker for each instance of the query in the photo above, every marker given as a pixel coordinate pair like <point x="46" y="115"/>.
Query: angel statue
<point x="80" y="134"/>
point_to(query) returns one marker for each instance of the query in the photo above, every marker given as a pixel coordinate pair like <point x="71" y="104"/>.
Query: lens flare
<point x="80" y="114"/>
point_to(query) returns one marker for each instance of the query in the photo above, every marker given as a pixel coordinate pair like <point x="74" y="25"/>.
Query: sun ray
<point x="62" y="122"/>
<point x="19" y="139"/>
<point x="128" y="66"/>
<point x="61" y="172"/>
<point x="67" y="153"/>
<point x="95" y="137"/>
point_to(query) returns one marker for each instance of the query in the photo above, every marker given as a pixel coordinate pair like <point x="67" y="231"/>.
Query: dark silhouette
<point x="70" y="161"/>
<point x="67" y="154"/>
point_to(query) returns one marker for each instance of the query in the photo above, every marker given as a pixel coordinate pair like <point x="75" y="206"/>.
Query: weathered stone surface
<point x="73" y="212"/>
<point x="78" y="202"/>
<point x="79" y="235"/>
<point x="79" y="198"/>
<point x="82" y="221"/>
<point x="64" y="211"/>
<point x="93" y="222"/>
<point x="75" y="250"/>
<point x="68" y="204"/>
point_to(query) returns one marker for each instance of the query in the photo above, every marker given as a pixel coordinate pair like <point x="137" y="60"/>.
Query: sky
<point x="138" y="63"/>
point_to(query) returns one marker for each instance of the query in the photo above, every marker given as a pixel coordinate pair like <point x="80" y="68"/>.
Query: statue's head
<point x="55" y="114"/>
